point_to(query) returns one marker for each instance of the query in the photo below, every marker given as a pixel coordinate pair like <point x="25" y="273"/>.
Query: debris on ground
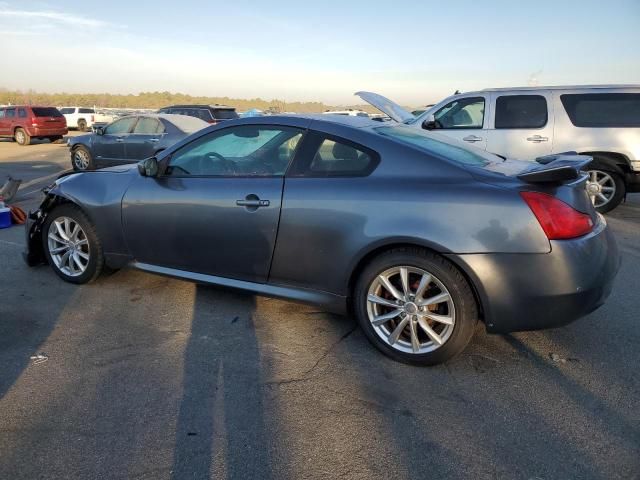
<point x="39" y="358"/>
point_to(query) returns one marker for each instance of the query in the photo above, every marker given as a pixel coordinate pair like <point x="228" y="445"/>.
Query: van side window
<point x="461" y="113"/>
<point x="521" y="111"/>
<point x="603" y="110"/>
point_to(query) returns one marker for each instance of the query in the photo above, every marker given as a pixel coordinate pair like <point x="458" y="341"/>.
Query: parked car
<point x="212" y="114"/>
<point x="24" y="122"/>
<point x="526" y="123"/>
<point x="130" y="139"/>
<point x="416" y="234"/>
<point x="84" y="118"/>
<point x="348" y="112"/>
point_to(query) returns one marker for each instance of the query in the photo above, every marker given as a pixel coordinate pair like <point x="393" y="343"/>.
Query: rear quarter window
<point x="603" y="110"/>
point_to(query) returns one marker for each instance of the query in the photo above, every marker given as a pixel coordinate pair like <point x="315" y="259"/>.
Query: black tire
<point x="76" y="159"/>
<point x="82" y="125"/>
<point x="22" y="137"/>
<point x="466" y="310"/>
<point x="96" y="256"/>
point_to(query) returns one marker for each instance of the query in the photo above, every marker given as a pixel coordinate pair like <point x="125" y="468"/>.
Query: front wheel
<point x="71" y="245"/>
<point x="415" y="306"/>
<point x="81" y="159"/>
<point x="606" y="189"/>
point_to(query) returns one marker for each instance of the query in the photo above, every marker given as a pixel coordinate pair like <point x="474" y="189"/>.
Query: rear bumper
<point x="535" y="291"/>
<point x="47" y="132"/>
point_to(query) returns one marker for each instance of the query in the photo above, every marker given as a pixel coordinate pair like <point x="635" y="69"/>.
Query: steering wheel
<point x="227" y="165"/>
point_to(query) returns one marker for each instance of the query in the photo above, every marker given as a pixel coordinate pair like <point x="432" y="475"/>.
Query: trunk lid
<point x="560" y="175"/>
<point x="386" y="106"/>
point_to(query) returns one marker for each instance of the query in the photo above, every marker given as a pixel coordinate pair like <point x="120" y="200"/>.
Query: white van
<point x="530" y="122"/>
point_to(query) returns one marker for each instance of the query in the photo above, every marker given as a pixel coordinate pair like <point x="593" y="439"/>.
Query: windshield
<point x="438" y="144"/>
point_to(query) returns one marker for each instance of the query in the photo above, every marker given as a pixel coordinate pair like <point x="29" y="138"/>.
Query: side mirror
<point x="99" y="130"/>
<point x="148" y="167"/>
<point x="430" y="122"/>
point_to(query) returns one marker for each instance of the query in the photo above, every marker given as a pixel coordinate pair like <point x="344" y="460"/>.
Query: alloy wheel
<point x="81" y="159"/>
<point x="601" y="187"/>
<point x="20" y="137"/>
<point x="410" y="309"/>
<point x="68" y="246"/>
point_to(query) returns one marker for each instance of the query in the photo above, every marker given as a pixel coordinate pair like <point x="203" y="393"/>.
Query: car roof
<point x="217" y="105"/>
<point x="557" y="87"/>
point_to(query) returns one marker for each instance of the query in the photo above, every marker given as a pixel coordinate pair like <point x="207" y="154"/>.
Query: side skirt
<point x="326" y="301"/>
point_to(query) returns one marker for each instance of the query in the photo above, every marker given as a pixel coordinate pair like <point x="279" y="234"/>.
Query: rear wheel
<point x="605" y="188"/>
<point x="71" y="245"/>
<point x="21" y="137"/>
<point x="415" y="306"/>
<point x="81" y="159"/>
<point x="82" y="125"/>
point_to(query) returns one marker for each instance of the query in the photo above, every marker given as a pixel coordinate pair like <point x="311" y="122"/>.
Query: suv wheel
<point x="415" y="306"/>
<point x="606" y="189"/>
<point x="82" y="125"/>
<point x="22" y="137"/>
<point x="81" y="159"/>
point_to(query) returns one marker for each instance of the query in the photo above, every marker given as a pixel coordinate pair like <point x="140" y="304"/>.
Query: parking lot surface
<point x="143" y="377"/>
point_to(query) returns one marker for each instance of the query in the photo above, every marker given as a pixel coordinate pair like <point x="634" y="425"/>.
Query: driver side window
<point x="461" y="113"/>
<point x="246" y="151"/>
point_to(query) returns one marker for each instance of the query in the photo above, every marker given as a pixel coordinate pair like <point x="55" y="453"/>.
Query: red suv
<point x="22" y="123"/>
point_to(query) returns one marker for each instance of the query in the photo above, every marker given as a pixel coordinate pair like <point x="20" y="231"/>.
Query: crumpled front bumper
<point x="536" y="291"/>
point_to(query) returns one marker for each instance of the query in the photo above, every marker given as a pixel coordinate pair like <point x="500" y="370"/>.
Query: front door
<point x="216" y="206"/>
<point x="521" y="126"/>
<point x="109" y="147"/>
<point x="465" y="119"/>
<point x="143" y="142"/>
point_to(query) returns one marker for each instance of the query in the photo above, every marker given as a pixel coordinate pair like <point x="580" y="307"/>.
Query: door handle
<point x="537" y="139"/>
<point x="472" y="138"/>
<point x="153" y="140"/>
<point x="252" y="202"/>
<point x="119" y="140"/>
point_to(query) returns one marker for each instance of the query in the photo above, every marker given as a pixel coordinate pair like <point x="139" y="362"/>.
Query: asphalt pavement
<point x="143" y="377"/>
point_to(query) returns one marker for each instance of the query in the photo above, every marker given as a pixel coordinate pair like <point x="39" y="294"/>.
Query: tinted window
<point x="46" y="112"/>
<point x="461" y="113"/>
<point x="603" y="109"/>
<point x="124" y="125"/>
<point x="22" y="113"/>
<point x="521" y="111"/>
<point x="11" y="112"/>
<point x="225" y="114"/>
<point x="67" y="110"/>
<point x="148" y="126"/>
<point x="1" y="112"/>
<point x="239" y="151"/>
<point x="87" y="110"/>
<point x="334" y="157"/>
<point x="426" y="142"/>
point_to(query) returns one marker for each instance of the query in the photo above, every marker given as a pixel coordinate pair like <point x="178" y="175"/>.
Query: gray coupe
<point x="416" y="235"/>
<point x="130" y="139"/>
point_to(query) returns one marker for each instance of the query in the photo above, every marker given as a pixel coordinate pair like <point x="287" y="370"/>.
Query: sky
<point x="415" y="52"/>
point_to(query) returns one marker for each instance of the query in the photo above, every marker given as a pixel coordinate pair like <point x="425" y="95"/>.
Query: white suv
<point x="527" y="123"/>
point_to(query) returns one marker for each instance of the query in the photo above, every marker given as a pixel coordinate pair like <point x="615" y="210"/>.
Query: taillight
<point x="92" y="119"/>
<point x="34" y="121"/>
<point x="558" y="220"/>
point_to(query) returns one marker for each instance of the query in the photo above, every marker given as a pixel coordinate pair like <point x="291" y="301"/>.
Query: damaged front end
<point x="34" y="252"/>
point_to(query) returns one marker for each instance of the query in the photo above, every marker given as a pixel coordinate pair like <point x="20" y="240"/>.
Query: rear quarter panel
<point x="328" y="225"/>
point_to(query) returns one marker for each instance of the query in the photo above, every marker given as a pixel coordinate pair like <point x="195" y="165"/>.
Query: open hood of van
<point x="392" y="109"/>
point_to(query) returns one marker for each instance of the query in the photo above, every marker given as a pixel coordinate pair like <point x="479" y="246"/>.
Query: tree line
<point x="159" y="99"/>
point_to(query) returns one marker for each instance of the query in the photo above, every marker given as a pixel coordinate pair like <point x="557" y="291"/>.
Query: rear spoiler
<point x="558" y="168"/>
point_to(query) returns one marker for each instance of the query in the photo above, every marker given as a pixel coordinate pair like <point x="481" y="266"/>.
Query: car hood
<point x="392" y="109"/>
